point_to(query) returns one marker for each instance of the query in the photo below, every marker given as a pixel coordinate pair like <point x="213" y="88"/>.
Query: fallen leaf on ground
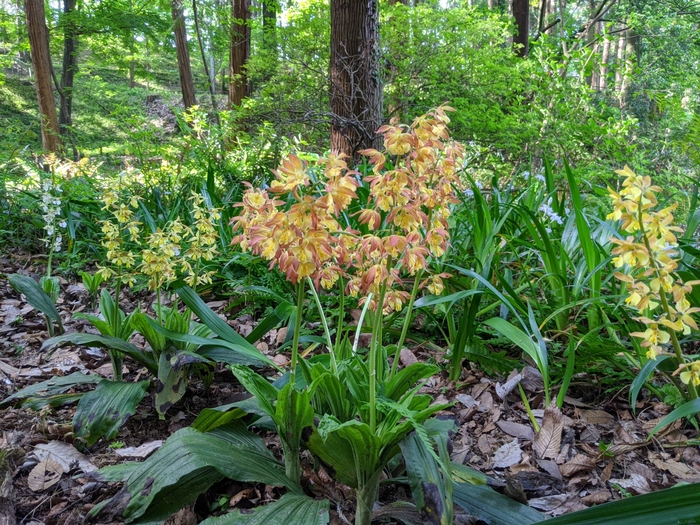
<point x="517" y="430"/>
<point x="44" y="475"/>
<point x="508" y="455"/>
<point x="579" y="463"/>
<point x="142" y="451"/>
<point x="64" y="454"/>
<point x="547" y="442"/>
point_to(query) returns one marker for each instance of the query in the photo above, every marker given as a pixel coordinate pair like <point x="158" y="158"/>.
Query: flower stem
<point x="374" y="352"/>
<point x="297" y="329"/>
<point x="406" y="323"/>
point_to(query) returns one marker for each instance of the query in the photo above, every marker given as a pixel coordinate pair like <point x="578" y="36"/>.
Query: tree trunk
<point x="604" y="60"/>
<point x="628" y="66"/>
<point x="70" y="63"/>
<point x="619" y="62"/>
<point x="214" y="107"/>
<point x="521" y="12"/>
<point x="240" y="52"/>
<point x="41" y="60"/>
<point x="356" y="89"/>
<point x="183" y="54"/>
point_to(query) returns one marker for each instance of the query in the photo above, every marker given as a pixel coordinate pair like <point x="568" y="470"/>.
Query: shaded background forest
<point x="602" y="83"/>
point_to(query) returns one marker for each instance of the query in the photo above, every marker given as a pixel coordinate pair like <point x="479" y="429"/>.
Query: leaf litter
<point x="584" y="454"/>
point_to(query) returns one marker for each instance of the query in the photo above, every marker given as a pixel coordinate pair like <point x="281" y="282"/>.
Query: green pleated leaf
<point x="187" y="464"/>
<point x="51" y="387"/>
<point x="290" y="509"/>
<point x="155" y="339"/>
<point x="241" y="353"/>
<point x="103" y="341"/>
<point x="35" y="296"/>
<point x="406" y="378"/>
<point x="674" y="506"/>
<point x="493" y="508"/>
<point x="171" y="383"/>
<point x="103" y="411"/>
<point x="429" y="490"/>
<point x="211" y="418"/>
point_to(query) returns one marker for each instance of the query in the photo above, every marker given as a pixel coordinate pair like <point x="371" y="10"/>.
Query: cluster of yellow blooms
<point x="650" y="252"/>
<point x="160" y="255"/>
<point x="406" y="213"/>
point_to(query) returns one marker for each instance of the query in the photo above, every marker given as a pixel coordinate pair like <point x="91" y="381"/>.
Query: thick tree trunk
<point x="183" y="54"/>
<point x="41" y="60"/>
<point x="521" y="12"/>
<point x="356" y="90"/>
<point x="70" y="64"/>
<point x="240" y="52"/>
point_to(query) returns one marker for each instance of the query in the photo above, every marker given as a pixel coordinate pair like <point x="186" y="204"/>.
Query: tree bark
<point x="619" y="62"/>
<point x="70" y="63"/>
<point x="214" y="107"/>
<point x="521" y="12"/>
<point x="240" y="52"/>
<point x="356" y="90"/>
<point x="39" y="45"/>
<point x="628" y="66"/>
<point x="604" y="61"/>
<point x="183" y="54"/>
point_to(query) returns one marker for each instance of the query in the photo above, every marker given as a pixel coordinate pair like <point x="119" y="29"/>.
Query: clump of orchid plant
<point x="649" y="256"/>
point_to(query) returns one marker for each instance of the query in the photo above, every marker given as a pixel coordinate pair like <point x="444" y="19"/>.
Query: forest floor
<point x="592" y="451"/>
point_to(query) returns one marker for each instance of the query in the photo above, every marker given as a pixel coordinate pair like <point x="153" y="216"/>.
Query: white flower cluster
<point x="538" y="176"/>
<point x="551" y="214"/>
<point x="51" y="206"/>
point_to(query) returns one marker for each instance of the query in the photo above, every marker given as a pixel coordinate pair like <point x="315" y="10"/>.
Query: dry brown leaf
<point x="44" y="475"/>
<point x="407" y="357"/>
<point x="579" y="463"/>
<point x="141" y="452"/>
<point x="508" y="455"/>
<point x="679" y="470"/>
<point x="517" y="430"/>
<point x="596" y="417"/>
<point x="607" y="472"/>
<point x="237" y="498"/>
<point x="635" y="482"/>
<point x="597" y="497"/>
<point x="547" y="442"/>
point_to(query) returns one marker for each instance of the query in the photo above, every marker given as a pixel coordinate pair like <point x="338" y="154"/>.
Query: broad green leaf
<point x="103" y="411"/>
<point x="100" y="324"/>
<point x="290" y="509"/>
<point x="187" y="464"/>
<point x="211" y="418"/>
<point x="426" y="481"/>
<point x="688" y="409"/>
<point x="247" y="354"/>
<point x="674" y="506"/>
<point x="278" y="315"/>
<point x="293" y="414"/>
<point x="104" y="341"/>
<point x="328" y="394"/>
<point x="493" y="508"/>
<point x="35" y="296"/>
<point x="208" y="317"/>
<point x="265" y="393"/>
<point x="155" y="339"/>
<point x="406" y="378"/>
<point x="52" y="387"/>
<point x="171" y="384"/>
<point x="518" y="337"/>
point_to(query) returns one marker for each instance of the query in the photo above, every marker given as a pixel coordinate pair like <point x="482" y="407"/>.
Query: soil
<point x="593" y="450"/>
